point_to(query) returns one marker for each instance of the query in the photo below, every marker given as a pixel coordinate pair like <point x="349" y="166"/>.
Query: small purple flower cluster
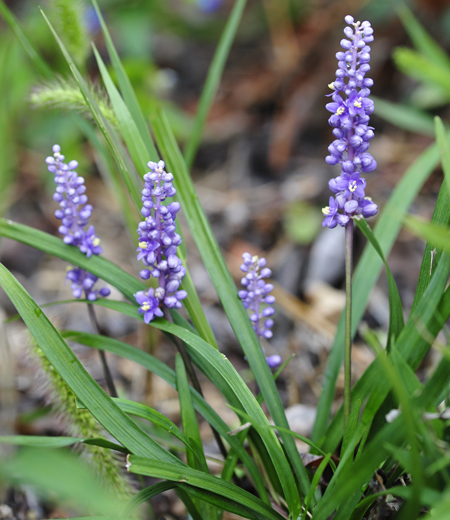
<point x="350" y="120"/>
<point x="158" y="244"/>
<point x="74" y="214"/>
<point x="256" y="294"/>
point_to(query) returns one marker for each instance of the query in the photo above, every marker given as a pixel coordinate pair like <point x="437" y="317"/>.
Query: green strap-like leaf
<point x="212" y="81"/>
<point x="396" y="322"/>
<point x="35" y="57"/>
<point x="36" y="441"/>
<point x="191" y="477"/>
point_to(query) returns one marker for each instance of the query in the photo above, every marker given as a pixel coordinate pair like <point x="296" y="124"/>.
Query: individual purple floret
<point x="158" y="242"/>
<point x="351" y="108"/>
<point x="74" y="214"/>
<point x="256" y="295"/>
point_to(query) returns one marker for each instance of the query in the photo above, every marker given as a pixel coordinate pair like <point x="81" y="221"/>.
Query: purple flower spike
<point x="74" y="214"/>
<point x="256" y="295"/>
<point x="158" y="243"/>
<point x="351" y="108"/>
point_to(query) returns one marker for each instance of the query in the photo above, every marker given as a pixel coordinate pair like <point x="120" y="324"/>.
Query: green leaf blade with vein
<point x="367" y="272"/>
<point x="396" y="322"/>
<point x="221" y="278"/>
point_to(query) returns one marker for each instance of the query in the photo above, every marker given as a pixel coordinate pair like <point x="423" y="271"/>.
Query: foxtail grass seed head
<point x="74" y="213"/>
<point x="257" y="298"/>
<point x="158" y="243"/>
<point x="351" y="108"/>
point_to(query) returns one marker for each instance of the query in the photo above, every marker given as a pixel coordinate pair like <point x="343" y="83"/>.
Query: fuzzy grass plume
<point x="65" y="94"/>
<point x="70" y="21"/>
<point x="82" y="424"/>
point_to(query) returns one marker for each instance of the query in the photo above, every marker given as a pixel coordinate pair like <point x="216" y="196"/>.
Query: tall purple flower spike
<point x="158" y="244"/>
<point x="351" y="109"/>
<point x="74" y="214"/>
<point x="256" y="295"/>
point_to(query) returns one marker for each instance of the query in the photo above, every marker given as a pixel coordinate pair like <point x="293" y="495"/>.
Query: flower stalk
<point x="348" y="320"/>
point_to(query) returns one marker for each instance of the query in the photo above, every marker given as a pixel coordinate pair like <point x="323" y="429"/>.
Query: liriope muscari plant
<point x="257" y="299"/>
<point x="351" y="109"/>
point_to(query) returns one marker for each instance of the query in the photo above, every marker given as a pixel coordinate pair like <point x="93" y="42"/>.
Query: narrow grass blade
<point x="206" y="482"/>
<point x="435" y="233"/>
<point x="221" y="278"/>
<point x="149" y="414"/>
<point x="128" y="128"/>
<point x="403" y="116"/>
<point x="160" y="369"/>
<point x="423" y="42"/>
<point x="396" y="322"/>
<point x="351" y="427"/>
<point x="104" y="269"/>
<point x="315" y="481"/>
<point x="419" y="67"/>
<point x="444" y="148"/>
<point x="432" y="254"/>
<point x="195" y="455"/>
<point x="127" y="91"/>
<point x="81" y="383"/>
<point x="36" y="441"/>
<point x="367" y="272"/>
<point x="126" y="168"/>
<point x="212" y="81"/>
<point x="111" y="178"/>
<point x="144" y="495"/>
<point x="35" y="57"/>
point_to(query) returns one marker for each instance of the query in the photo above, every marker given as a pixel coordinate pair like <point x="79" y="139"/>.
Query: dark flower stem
<point x="107" y="373"/>
<point x="193" y="377"/>
<point x="348" y="320"/>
